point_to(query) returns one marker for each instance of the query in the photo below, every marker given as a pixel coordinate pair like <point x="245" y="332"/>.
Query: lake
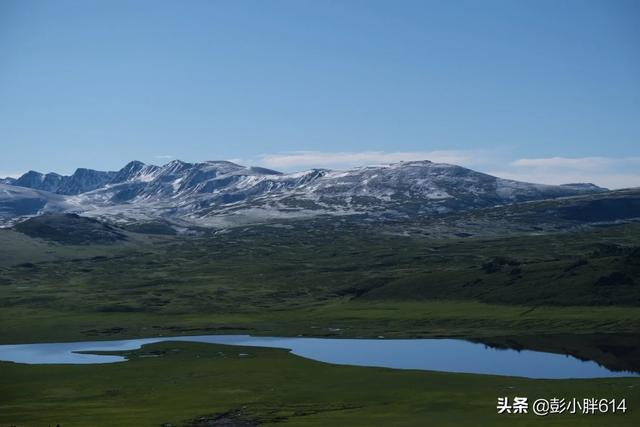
<point x="445" y="355"/>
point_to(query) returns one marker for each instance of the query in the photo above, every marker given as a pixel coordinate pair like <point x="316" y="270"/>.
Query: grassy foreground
<point x="189" y="384"/>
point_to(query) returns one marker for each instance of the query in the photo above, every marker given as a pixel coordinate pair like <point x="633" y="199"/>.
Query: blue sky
<point x="545" y="91"/>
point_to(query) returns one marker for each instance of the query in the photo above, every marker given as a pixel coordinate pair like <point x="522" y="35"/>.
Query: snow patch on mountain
<point x="20" y="202"/>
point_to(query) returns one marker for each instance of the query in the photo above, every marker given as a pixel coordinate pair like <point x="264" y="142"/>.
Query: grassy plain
<point x="269" y="280"/>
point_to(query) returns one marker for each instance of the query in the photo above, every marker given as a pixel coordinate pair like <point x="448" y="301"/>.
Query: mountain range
<point x="222" y="194"/>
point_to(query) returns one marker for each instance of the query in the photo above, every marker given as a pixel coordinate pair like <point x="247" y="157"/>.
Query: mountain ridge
<point x="223" y="193"/>
<point x="81" y="181"/>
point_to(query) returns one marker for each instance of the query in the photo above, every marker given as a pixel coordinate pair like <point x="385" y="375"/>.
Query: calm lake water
<point x="446" y="355"/>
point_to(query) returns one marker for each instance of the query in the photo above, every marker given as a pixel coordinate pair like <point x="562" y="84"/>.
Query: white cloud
<point x="608" y="172"/>
<point x="11" y="174"/>
<point x="164" y="156"/>
<point x="347" y="159"/>
<point x="582" y="163"/>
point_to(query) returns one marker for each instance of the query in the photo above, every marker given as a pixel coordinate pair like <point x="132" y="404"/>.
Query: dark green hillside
<point x="567" y="269"/>
<point x="70" y="229"/>
<point x="540" y="217"/>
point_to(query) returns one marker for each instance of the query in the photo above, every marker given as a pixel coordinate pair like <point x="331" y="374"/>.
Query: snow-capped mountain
<point x="221" y="193"/>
